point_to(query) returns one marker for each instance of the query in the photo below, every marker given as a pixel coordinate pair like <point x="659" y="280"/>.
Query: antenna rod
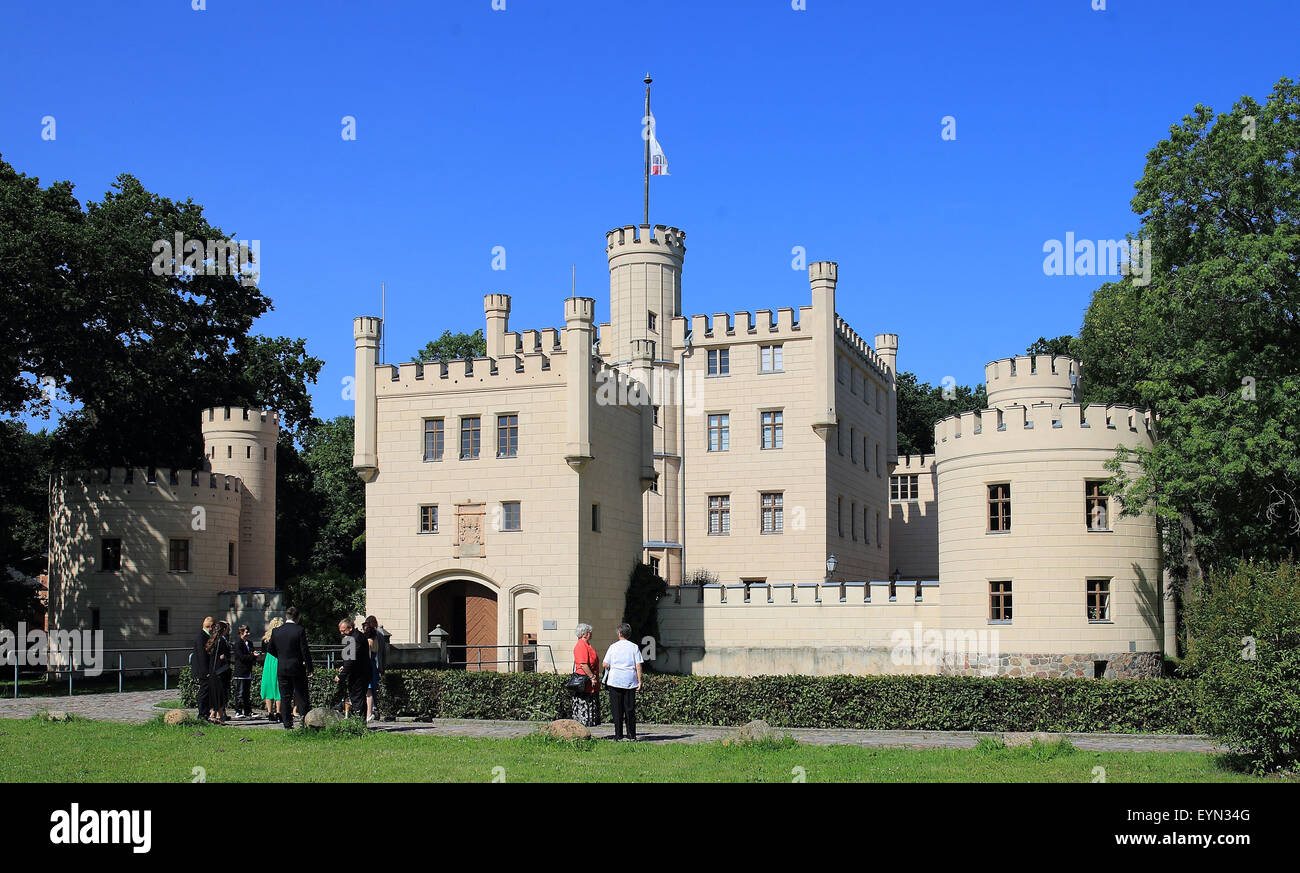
<point x="383" y="312"/>
<point x="647" y="133"/>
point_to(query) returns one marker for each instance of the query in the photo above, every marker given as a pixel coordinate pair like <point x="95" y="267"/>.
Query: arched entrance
<point x="467" y="611"/>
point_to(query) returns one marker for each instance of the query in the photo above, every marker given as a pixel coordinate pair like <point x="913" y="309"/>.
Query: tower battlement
<point x="369" y="327"/>
<point x="237" y="418"/>
<point x="863" y="349"/>
<point x="787" y="323"/>
<point x="507" y="371"/>
<point x="921" y="463"/>
<point x="1033" y="379"/>
<point x="1065" y="425"/>
<point x="823" y="271"/>
<point x="632" y="237"/>
<point x="163" y="484"/>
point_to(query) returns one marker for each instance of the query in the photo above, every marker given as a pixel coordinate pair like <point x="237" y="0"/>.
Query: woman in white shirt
<point x="623" y="661"/>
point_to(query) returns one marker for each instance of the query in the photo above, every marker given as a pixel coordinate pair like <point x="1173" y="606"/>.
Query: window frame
<point x="432" y="517"/>
<point x="439" y="434"/>
<point x="1001" y="604"/>
<point x="508" y="427"/>
<point x="1005" y="519"/>
<point x="173" y="553"/>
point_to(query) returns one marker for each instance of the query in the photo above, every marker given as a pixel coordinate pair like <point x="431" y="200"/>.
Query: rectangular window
<point x="719" y="514"/>
<point x="507" y="436"/>
<point x="878" y="467"/>
<point x="904" y="487"/>
<point x="719" y="362"/>
<point x="1098" y="600"/>
<point x="773" y="429"/>
<point x="1000" y="507"/>
<point x="1097" y="505"/>
<point x="429" y="518"/>
<point x="654" y="485"/>
<point x="839" y="515"/>
<point x="719" y="432"/>
<point x="773" y="512"/>
<point x="654" y="566"/>
<point x="841" y="367"/>
<point x="769" y="359"/>
<point x="839" y="436"/>
<point x="511" y="517"/>
<point x="877" y="398"/>
<point x="655" y="412"/>
<point x="595" y="517"/>
<point x="164" y="622"/>
<point x="178" y="556"/>
<point x="110" y="555"/>
<point x="469" y="437"/>
<point x="433" y="439"/>
<point x="866" y="462"/>
<point x="652" y="321"/>
<point x="853" y="442"/>
<point x="879" y="544"/>
<point x="230" y="559"/>
<point x="853" y="520"/>
<point x="1000" y="601"/>
<point x="866" y="536"/>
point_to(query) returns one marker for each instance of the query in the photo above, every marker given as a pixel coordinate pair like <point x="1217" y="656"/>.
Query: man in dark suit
<point x="201" y="667"/>
<point x="241" y="660"/>
<point x="293" y="665"/>
<point x="355" y="671"/>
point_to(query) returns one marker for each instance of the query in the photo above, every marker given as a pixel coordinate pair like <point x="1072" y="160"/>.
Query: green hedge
<point x="322" y="687"/>
<point x="952" y="703"/>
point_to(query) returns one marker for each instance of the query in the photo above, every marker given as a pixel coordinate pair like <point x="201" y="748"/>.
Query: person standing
<point x="241" y="660"/>
<point x="370" y="628"/>
<point x="270" y="688"/>
<point x="201" y="667"/>
<point x="292" y="665"/>
<point x="218" y="648"/>
<point x="586" y="704"/>
<point x="623" y="661"/>
<point x="354" y="675"/>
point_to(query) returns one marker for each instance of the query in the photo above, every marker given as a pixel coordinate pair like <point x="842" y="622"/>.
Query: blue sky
<point x="520" y="128"/>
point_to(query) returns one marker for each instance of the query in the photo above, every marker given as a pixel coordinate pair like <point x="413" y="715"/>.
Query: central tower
<point x="645" y="289"/>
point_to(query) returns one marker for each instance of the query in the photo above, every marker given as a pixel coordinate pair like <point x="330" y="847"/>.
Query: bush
<point x="321" y="687"/>
<point x="1244" y="652"/>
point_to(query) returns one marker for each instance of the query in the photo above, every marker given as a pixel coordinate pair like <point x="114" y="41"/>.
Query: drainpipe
<point x="681" y="448"/>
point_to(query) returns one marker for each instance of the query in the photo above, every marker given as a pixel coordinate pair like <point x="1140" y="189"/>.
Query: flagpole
<point x="647" y="132"/>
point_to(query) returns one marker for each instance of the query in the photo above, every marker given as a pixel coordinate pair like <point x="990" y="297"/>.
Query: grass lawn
<point x="90" y="751"/>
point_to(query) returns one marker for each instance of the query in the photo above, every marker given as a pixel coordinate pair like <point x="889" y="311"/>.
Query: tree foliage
<point x="1210" y="344"/>
<point x="921" y="404"/>
<point x="453" y="347"/>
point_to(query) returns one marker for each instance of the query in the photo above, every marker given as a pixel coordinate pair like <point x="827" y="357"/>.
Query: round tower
<point x="645" y="287"/>
<point x="241" y="442"/>
<point x="1029" y="379"/>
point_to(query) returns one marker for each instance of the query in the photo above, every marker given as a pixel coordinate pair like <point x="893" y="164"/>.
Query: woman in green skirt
<point x="270" y="683"/>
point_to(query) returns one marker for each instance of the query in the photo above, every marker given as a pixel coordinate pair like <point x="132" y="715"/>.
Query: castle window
<point x="511" y="516"/>
<point x="595" y="517"/>
<point x="853" y="441"/>
<point x="839" y="515"/>
<point x="469" y="437"/>
<point x="652" y="321"/>
<point x="263" y="453"/>
<point x="769" y="359"/>
<point x="164" y="622"/>
<point x="1097" y="505"/>
<point x="433" y="439"/>
<point x="904" y="487"/>
<point x="719" y="432"/>
<point x="879" y="544"/>
<point x="719" y="515"/>
<point x="248" y="452"/>
<point x="230" y="560"/>
<point x="877" y="398"/>
<point x="507" y="436"/>
<point x="230" y="451"/>
<point x="1098" y="600"/>
<point x="654" y="566"/>
<point x="429" y="518"/>
<point x="773" y="512"/>
<point x="110" y="555"/>
<point x="654" y="411"/>
<point x="654" y="485"/>
<point x="1000" y="600"/>
<point x="178" y="552"/>
<point x="853" y="520"/>
<point x="877" y="460"/>
<point x="866" y="536"/>
<point x="1000" y="507"/>
<point x="866" y="464"/>
<point x="719" y="362"/>
<point x="773" y="429"/>
<point x="841" y="367"/>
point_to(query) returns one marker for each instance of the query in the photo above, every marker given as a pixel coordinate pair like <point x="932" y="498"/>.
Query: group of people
<point x="287" y="664"/>
<point x="622" y="666"/>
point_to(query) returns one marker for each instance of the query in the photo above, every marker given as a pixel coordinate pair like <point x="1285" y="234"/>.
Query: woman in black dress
<point x="219" y="684"/>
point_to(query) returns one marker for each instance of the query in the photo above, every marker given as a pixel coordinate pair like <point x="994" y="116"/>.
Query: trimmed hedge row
<point x="949" y="703"/>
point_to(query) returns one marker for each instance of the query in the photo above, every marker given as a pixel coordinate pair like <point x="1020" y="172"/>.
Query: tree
<point x="1210" y="344"/>
<point x="139" y="338"/>
<point x="340" y="495"/>
<point x="921" y="404"/>
<point x="1061" y="345"/>
<point x="454" y="347"/>
<point x="24" y="498"/>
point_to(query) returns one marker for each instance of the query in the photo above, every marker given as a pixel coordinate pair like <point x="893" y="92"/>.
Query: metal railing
<point x="525" y="661"/>
<point x="71" y="666"/>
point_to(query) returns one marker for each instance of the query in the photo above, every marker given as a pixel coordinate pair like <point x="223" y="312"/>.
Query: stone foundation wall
<point x="1119" y="665"/>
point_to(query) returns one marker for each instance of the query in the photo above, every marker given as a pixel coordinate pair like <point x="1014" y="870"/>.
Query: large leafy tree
<point x="1210" y="345"/>
<point x="138" y="354"/>
<point x="921" y="404"/>
<point x="454" y="347"/>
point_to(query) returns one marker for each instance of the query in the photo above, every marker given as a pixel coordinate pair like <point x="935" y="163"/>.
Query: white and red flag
<point x="658" y="160"/>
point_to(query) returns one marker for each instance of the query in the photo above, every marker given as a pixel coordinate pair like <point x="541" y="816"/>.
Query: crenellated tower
<point x="1028" y="379"/>
<point x="241" y="442"/>
<point x="645" y="287"/>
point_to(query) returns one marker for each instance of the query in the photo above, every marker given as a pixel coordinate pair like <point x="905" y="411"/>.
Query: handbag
<point x="576" y="684"/>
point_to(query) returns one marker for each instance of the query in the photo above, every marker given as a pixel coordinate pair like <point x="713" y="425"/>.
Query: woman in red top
<point x="586" y="706"/>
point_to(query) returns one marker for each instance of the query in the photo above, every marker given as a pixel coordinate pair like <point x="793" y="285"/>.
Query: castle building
<point x="145" y="554"/>
<point x="751" y="460"/>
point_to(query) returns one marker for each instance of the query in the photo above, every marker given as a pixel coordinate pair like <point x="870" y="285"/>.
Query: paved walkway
<point x="138" y="706"/>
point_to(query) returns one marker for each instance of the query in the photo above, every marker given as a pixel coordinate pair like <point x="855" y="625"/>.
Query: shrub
<point x="641" y="604"/>
<point x="1244" y="652"/>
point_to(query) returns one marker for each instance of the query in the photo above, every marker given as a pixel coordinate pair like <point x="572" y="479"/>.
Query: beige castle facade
<point x="508" y="497"/>
<point x="145" y="554"/>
